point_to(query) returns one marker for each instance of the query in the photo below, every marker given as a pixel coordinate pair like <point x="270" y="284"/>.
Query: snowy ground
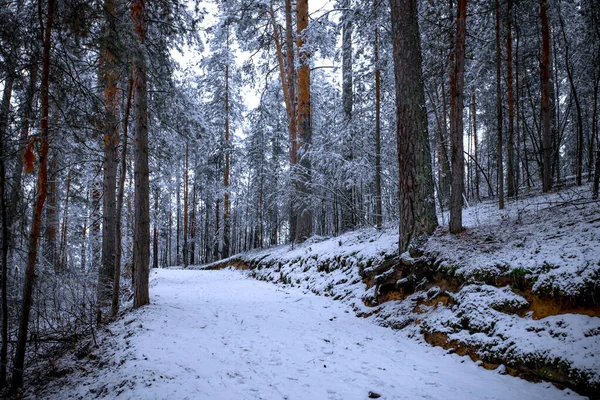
<point x="550" y="238"/>
<point x="222" y="335"/>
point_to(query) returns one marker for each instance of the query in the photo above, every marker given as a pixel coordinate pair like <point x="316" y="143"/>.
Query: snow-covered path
<point x="221" y="335"/>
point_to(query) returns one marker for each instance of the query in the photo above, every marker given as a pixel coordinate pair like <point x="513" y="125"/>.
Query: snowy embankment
<point x="518" y="290"/>
<point x="222" y="335"/>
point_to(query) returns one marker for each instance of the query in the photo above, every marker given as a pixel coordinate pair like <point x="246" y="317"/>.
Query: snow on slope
<point x="551" y="240"/>
<point x="221" y="335"/>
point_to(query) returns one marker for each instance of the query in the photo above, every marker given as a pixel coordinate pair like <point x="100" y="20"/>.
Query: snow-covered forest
<point x="434" y="165"/>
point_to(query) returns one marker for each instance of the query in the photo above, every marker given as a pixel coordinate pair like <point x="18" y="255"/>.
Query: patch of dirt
<point x="543" y="307"/>
<point x="388" y="293"/>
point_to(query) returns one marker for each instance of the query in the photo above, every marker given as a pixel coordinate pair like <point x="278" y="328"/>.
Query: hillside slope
<point x="517" y="291"/>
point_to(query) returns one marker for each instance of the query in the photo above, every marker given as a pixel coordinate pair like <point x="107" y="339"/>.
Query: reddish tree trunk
<point x="110" y="76"/>
<point x="304" y="139"/>
<point x="42" y="191"/>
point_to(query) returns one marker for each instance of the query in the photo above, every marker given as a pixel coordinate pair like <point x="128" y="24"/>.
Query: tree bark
<point x="62" y="253"/>
<point x="287" y="73"/>
<point x="304" y="139"/>
<point x="13" y="200"/>
<point x="445" y="176"/>
<point x="596" y="184"/>
<point x="193" y="226"/>
<point x="475" y="141"/>
<point x="4" y="122"/>
<point x="51" y="214"/>
<point x="349" y="208"/>
<point x="579" y="165"/>
<point x="155" y="235"/>
<point x="417" y="206"/>
<point x="141" y="240"/>
<point x="456" y="135"/>
<point x="595" y="130"/>
<point x="42" y="191"/>
<point x="120" y="197"/>
<point x="545" y="99"/>
<point x="499" y="159"/>
<point x="216" y="252"/>
<point x="110" y="75"/>
<point x="378" y="200"/>
<point x="185" y="210"/>
<point x="178" y="222"/>
<point x="511" y="178"/>
<point x="226" y="203"/>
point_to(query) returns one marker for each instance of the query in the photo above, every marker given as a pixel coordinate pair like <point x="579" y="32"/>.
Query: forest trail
<point x="222" y="335"/>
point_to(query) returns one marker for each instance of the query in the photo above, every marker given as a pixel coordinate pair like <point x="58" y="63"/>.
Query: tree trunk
<point x="216" y="255"/>
<point x="62" y="253"/>
<point x="120" y="197"/>
<point x="545" y="99"/>
<point x="499" y="159"/>
<point x="511" y="178"/>
<point x="287" y="73"/>
<point x="595" y="130"/>
<point x="110" y="75"/>
<point x="348" y="209"/>
<point x="378" y="201"/>
<point x="417" y="207"/>
<point x="28" y="115"/>
<point x="193" y="226"/>
<point x="579" y="165"/>
<point x="555" y="110"/>
<point x="304" y="139"/>
<point x="141" y="240"/>
<point x="456" y="135"/>
<point x="42" y="191"/>
<point x="185" y="210"/>
<point x="520" y="79"/>
<point x="206" y="230"/>
<point x="444" y="160"/>
<point x="177" y="230"/>
<point x="4" y="122"/>
<point x="226" y="203"/>
<point x="51" y="214"/>
<point x="170" y="234"/>
<point x="475" y="145"/>
<point x="155" y="236"/>
<point x="83" y="246"/>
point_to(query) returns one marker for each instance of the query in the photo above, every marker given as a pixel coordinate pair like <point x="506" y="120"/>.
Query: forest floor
<point x="224" y="335"/>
